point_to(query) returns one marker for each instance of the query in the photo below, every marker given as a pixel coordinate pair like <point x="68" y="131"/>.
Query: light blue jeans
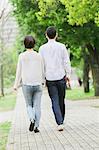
<point x="32" y="96"/>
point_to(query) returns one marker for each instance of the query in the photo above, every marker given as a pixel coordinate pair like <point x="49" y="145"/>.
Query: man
<point x="57" y="69"/>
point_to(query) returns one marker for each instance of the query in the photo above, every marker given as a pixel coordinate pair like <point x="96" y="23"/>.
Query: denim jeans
<point x="56" y="90"/>
<point x="32" y="96"/>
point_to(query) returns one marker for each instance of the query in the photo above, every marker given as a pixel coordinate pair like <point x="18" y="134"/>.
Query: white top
<point x="56" y="60"/>
<point x="29" y="69"/>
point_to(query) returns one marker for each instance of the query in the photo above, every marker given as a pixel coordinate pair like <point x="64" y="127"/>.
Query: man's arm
<point x="67" y="64"/>
<point x="43" y="66"/>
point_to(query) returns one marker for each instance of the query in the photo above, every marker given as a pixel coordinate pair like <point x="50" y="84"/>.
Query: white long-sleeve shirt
<point x="29" y="69"/>
<point x="56" y="60"/>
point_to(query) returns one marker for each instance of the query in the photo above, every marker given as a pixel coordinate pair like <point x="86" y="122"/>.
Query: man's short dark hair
<point x="29" y="42"/>
<point x="51" y="32"/>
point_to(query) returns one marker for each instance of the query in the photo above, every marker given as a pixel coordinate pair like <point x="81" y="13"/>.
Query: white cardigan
<point x="29" y="69"/>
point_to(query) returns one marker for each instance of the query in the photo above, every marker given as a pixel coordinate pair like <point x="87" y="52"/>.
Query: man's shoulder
<point x="43" y="46"/>
<point x="60" y="44"/>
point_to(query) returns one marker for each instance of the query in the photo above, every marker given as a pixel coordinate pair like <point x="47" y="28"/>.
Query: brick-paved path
<point x="81" y="127"/>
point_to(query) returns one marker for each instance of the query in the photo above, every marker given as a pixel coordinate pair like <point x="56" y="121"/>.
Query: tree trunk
<point x="2" y="80"/>
<point x="2" y="23"/>
<point x="86" y="69"/>
<point x="94" y="62"/>
<point x="95" y="72"/>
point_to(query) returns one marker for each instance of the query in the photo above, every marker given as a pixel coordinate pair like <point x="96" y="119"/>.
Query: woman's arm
<point x="18" y="74"/>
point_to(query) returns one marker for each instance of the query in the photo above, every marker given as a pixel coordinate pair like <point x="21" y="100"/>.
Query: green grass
<point x="4" y="130"/>
<point x="7" y="102"/>
<point x="96" y="106"/>
<point x="78" y="94"/>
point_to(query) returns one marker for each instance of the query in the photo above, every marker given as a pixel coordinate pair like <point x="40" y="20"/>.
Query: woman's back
<point x="31" y="68"/>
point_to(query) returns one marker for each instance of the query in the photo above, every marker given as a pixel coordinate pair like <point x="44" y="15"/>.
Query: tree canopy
<point x="77" y="23"/>
<point x="81" y="12"/>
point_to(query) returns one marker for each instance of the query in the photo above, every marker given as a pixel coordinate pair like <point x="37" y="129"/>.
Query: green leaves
<point x="76" y="20"/>
<point x="97" y="18"/>
<point x="82" y="11"/>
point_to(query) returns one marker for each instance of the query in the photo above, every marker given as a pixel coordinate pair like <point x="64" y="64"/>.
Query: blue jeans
<point x="56" y="90"/>
<point x="32" y="96"/>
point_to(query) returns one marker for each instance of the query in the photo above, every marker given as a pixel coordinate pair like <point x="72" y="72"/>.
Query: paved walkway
<point x="81" y="127"/>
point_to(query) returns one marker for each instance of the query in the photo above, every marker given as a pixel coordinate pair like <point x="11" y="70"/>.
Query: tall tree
<point x="38" y="14"/>
<point x="4" y="15"/>
<point x="82" y="13"/>
<point x="1" y="51"/>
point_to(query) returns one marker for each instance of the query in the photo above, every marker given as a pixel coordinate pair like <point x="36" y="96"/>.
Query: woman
<point x="29" y="72"/>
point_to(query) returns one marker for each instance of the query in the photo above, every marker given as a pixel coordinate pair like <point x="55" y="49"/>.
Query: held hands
<point x="14" y="89"/>
<point x="67" y="79"/>
<point x="68" y="82"/>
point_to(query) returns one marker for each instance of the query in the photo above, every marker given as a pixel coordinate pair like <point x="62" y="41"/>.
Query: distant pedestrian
<point x="80" y="81"/>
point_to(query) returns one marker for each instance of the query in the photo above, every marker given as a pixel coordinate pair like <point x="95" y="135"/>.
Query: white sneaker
<point x="60" y="127"/>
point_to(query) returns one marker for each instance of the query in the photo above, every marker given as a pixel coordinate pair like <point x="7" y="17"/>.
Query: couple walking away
<point x="51" y="65"/>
